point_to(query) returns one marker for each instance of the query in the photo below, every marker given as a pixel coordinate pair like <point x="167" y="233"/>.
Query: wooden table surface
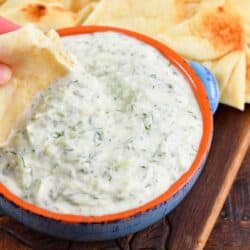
<point x="232" y="230"/>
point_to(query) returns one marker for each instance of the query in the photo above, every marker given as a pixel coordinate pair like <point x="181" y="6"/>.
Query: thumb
<point x="5" y="74"/>
<point x="7" y="26"/>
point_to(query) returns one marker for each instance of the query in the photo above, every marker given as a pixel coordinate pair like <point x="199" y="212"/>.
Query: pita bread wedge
<point x="63" y="3"/>
<point x="222" y="68"/>
<point x="234" y="93"/>
<point x="243" y="9"/>
<point x="149" y="17"/>
<point x="86" y="10"/>
<point x="44" y="15"/>
<point x="36" y="61"/>
<point x="188" y="8"/>
<point x="208" y="35"/>
<point x="78" y="5"/>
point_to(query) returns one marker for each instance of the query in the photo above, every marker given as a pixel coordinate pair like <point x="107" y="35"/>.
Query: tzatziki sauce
<point x="112" y="135"/>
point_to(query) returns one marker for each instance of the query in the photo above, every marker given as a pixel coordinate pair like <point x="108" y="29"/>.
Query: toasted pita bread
<point x="149" y="17"/>
<point x="85" y="11"/>
<point x="242" y="7"/>
<point x="36" y="61"/>
<point x="78" y="5"/>
<point x="208" y="35"/>
<point x="222" y="68"/>
<point x="64" y="3"/>
<point x="43" y="15"/>
<point x="215" y="33"/>
<point x="235" y="90"/>
<point x="188" y="8"/>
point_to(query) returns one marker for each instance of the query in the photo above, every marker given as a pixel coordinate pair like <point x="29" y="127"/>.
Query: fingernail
<point x="5" y="74"/>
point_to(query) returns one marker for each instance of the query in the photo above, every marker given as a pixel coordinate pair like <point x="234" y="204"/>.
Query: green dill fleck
<point x="129" y="143"/>
<point x="118" y="198"/>
<point x="12" y="152"/>
<point x="192" y="114"/>
<point x="58" y="134"/>
<point x="76" y="82"/>
<point x="84" y="171"/>
<point x="107" y="176"/>
<point x="94" y="197"/>
<point x="61" y="114"/>
<point x="193" y="148"/>
<point x="73" y="128"/>
<point x="90" y="157"/>
<point x="165" y="137"/>
<point x="98" y="137"/>
<point x="131" y="107"/>
<point x="170" y="86"/>
<point x="159" y="153"/>
<point x="23" y="162"/>
<point x="147" y="120"/>
<point x="175" y="72"/>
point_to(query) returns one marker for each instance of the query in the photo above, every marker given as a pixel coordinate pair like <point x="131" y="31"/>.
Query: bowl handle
<point x="209" y="82"/>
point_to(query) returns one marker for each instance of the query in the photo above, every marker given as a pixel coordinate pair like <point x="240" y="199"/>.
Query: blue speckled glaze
<point x="119" y="228"/>
<point x="209" y="82"/>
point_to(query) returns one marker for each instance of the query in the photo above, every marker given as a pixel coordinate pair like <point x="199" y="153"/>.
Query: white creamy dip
<point x="110" y="136"/>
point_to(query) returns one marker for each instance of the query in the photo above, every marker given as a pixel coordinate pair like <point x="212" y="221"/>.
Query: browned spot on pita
<point x="35" y="12"/>
<point x="220" y="9"/>
<point x="223" y="29"/>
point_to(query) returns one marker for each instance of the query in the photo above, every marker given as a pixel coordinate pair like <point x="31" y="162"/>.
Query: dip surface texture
<point x="112" y="135"/>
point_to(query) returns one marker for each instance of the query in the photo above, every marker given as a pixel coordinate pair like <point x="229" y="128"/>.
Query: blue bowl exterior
<point x="98" y="231"/>
<point x="210" y="84"/>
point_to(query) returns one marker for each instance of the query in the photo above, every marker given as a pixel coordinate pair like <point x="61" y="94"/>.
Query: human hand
<point x="5" y="71"/>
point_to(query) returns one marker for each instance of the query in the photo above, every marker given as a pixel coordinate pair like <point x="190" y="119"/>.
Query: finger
<point x="7" y="26"/>
<point x="5" y="71"/>
<point x="5" y="74"/>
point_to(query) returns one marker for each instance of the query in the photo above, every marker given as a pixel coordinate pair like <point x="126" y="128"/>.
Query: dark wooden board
<point x="232" y="230"/>
<point x="189" y="226"/>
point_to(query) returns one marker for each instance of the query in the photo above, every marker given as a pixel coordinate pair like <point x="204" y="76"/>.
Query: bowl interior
<point x="204" y="105"/>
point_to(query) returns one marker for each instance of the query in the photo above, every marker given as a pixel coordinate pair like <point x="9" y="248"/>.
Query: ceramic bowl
<point x="92" y="228"/>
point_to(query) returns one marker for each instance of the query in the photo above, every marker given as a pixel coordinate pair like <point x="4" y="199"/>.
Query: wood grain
<point x="27" y="237"/>
<point x="232" y="230"/>
<point x="189" y="226"/>
<point x="193" y="220"/>
<point x="154" y="237"/>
